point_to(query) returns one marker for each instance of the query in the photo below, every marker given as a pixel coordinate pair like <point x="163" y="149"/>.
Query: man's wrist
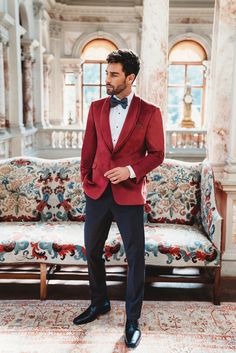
<point x="131" y="172"/>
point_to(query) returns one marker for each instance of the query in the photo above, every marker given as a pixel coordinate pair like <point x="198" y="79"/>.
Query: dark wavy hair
<point x="127" y="58"/>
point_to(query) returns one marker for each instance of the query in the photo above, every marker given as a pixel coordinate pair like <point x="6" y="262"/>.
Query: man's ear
<point x="131" y="78"/>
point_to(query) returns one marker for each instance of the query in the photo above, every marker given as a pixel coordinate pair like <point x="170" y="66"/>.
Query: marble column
<point x="78" y="78"/>
<point x="6" y="81"/>
<point x="56" y="103"/>
<point x="227" y="185"/>
<point x="38" y="8"/>
<point x="230" y="168"/>
<point x="62" y="76"/>
<point x="223" y="62"/>
<point x="154" y="52"/>
<point x="15" y="79"/>
<point x="27" y="84"/>
<point x="2" y="89"/>
<point x="222" y="124"/>
<point x="207" y="65"/>
<point x="15" y="74"/>
<point x="79" y="116"/>
<point x="47" y="59"/>
<point x="6" y="24"/>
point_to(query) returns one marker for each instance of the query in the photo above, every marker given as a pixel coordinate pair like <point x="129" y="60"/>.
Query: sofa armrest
<point x="210" y="217"/>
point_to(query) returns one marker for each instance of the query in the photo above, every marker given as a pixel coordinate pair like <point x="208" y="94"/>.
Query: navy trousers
<point x="99" y="216"/>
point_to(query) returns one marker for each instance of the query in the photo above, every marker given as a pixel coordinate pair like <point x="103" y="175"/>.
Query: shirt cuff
<point x="131" y="171"/>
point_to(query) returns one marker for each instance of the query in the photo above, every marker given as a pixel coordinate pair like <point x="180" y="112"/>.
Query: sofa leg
<point x="43" y="278"/>
<point x="216" y="290"/>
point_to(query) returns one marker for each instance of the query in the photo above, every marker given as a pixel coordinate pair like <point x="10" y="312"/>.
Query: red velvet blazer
<point x="140" y="145"/>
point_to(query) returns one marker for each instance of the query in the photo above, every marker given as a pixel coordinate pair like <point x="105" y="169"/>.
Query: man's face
<point x="116" y="81"/>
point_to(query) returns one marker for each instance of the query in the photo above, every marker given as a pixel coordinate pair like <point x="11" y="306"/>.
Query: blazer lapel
<point x="129" y="124"/>
<point x="105" y="124"/>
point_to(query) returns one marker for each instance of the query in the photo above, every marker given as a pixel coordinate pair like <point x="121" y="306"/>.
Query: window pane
<point x="197" y="96"/>
<point x="174" y="116"/>
<point x="195" y="75"/>
<point x="196" y="116"/>
<point x="175" y="106"/>
<point x="104" y="66"/>
<point x="197" y="106"/>
<point x="176" y="74"/>
<point x="69" y="104"/>
<point x="98" y="49"/>
<point x="188" y="51"/>
<point x="89" y="94"/>
<point x="104" y="91"/>
<point x="91" y="73"/>
<point x="175" y="95"/>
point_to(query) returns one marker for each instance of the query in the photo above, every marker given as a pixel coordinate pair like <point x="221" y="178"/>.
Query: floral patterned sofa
<point x="42" y="213"/>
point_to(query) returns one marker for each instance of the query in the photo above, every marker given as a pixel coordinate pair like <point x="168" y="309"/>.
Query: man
<point x="123" y="142"/>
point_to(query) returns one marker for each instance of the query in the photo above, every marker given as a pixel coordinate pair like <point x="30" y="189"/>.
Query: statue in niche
<point x="187" y="121"/>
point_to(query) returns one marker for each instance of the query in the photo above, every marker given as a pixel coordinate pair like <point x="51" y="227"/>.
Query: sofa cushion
<point x="174" y="193"/>
<point x="39" y="189"/>
<point x="63" y="242"/>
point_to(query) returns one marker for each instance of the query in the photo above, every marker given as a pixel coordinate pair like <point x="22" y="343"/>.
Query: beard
<point x="111" y="90"/>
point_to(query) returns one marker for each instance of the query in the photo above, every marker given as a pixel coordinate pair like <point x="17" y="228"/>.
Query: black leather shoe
<point x="132" y="333"/>
<point x="92" y="313"/>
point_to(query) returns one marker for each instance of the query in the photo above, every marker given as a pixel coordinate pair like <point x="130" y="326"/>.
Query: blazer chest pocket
<point x="138" y="126"/>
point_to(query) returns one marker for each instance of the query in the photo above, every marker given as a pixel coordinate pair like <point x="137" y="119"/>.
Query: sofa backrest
<point x="174" y="193"/>
<point x="33" y="189"/>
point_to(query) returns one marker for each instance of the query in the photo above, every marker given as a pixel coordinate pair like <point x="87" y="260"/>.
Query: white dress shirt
<point x="117" y="118"/>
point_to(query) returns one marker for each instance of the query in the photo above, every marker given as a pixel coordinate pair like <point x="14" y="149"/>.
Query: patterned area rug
<point x="167" y="327"/>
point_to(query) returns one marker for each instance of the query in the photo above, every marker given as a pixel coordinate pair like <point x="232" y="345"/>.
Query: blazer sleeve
<point x="89" y="145"/>
<point x="154" y="146"/>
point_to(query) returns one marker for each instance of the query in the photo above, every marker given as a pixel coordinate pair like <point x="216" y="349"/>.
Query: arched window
<point x="93" y="78"/>
<point x="186" y="70"/>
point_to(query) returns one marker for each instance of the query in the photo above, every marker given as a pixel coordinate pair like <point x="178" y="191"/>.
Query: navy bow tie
<point x="114" y="102"/>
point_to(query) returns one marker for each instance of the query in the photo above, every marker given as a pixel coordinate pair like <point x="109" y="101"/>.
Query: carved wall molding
<point x="4" y="35"/>
<point x="47" y="58"/>
<point x="38" y="8"/>
<point x="28" y="47"/>
<point x="55" y="29"/>
<point x="6" y="21"/>
<point x="95" y="13"/>
<point x="187" y="16"/>
<point x="71" y="65"/>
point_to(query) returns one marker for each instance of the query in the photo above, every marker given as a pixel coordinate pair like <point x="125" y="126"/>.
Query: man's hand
<point x="116" y="175"/>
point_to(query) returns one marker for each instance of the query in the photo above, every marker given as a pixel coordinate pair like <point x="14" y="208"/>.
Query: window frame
<point x="186" y="64"/>
<point x="100" y="85"/>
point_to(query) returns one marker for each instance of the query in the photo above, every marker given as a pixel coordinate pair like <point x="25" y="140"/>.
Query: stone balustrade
<point x="185" y="144"/>
<point x="5" y="144"/>
<point x="59" y="142"/>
